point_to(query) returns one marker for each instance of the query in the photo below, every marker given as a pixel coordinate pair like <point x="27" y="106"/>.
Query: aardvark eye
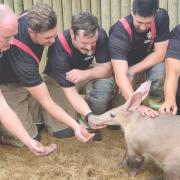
<point x="112" y="115"/>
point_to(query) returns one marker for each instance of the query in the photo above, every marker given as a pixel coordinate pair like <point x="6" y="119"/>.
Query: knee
<point x="99" y="95"/>
<point x="101" y="90"/>
<point x="157" y="73"/>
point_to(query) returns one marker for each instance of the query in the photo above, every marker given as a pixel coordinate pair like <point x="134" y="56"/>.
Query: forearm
<point x="170" y="86"/>
<point x="152" y="59"/>
<point x="171" y="81"/>
<point x="73" y="96"/>
<point x="41" y="94"/>
<point x="121" y="76"/>
<point x="59" y="114"/>
<point x="99" y="71"/>
<point x="12" y="123"/>
<point x="148" y="62"/>
<point x="125" y="86"/>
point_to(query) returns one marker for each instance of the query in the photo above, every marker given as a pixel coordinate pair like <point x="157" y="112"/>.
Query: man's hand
<point x="168" y="108"/>
<point x="92" y="121"/>
<point x="76" y="76"/>
<point x="82" y="134"/>
<point x="39" y="150"/>
<point x="146" y="111"/>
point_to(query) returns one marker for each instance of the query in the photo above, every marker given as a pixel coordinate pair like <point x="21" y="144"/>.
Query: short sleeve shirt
<point x="122" y="48"/>
<point x="60" y="62"/>
<point x="173" y="50"/>
<point x="16" y="66"/>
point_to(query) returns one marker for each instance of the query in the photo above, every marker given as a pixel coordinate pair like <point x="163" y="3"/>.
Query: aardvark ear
<point x="139" y="95"/>
<point x="144" y="89"/>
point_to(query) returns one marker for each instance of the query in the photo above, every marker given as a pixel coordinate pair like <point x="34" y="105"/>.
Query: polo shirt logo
<point x="87" y="58"/>
<point x="148" y="40"/>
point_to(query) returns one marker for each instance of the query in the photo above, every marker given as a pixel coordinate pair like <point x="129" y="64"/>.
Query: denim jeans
<point x="157" y="76"/>
<point x="99" y="94"/>
<point x="26" y="108"/>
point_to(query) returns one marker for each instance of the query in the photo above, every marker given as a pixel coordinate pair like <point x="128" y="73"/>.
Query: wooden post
<point x="178" y="1"/>
<point x="125" y="7"/>
<point x="35" y="1"/>
<point x="96" y="9"/>
<point x="172" y="10"/>
<point x="115" y="10"/>
<point x="9" y="3"/>
<point x="106" y="14"/>
<point x="57" y="6"/>
<point x="163" y="4"/>
<point x="49" y="2"/>
<point x="18" y="7"/>
<point x="43" y="61"/>
<point x="86" y="5"/>
<point x="76" y="6"/>
<point x="67" y="14"/>
<point x="27" y="4"/>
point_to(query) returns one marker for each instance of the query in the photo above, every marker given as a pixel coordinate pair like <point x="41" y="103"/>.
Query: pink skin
<point x="44" y="38"/>
<point x="8" y="29"/>
<point x="142" y="24"/>
<point x="84" y="44"/>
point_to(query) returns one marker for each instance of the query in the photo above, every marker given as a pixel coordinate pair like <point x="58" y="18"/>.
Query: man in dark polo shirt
<point x="8" y="29"/>
<point x="20" y="78"/>
<point x="172" y="86"/>
<point x="140" y="54"/>
<point x="69" y="73"/>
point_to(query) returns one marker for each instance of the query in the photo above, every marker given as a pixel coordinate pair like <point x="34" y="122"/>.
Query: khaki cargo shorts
<point x="26" y="108"/>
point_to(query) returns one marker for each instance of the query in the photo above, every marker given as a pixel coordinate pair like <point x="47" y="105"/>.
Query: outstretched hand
<point x="82" y="134"/>
<point x="168" y="108"/>
<point x="40" y="150"/>
<point x="146" y="111"/>
<point x="93" y="122"/>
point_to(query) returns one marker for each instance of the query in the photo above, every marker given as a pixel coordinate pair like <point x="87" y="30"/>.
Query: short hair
<point x="145" y="8"/>
<point x="84" y="21"/>
<point x="41" y="18"/>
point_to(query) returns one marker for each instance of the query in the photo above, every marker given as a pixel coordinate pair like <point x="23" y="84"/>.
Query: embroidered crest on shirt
<point x="89" y="56"/>
<point x="148" y="40"/>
